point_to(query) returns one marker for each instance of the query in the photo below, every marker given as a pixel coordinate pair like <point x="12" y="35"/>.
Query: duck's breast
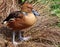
<point x="30" y="19"/>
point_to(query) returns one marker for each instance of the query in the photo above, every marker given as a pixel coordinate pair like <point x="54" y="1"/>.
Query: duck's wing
<point x="13" y="15"/>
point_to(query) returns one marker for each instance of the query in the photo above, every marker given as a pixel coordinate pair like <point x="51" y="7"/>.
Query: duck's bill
<point x="35" y="12"/>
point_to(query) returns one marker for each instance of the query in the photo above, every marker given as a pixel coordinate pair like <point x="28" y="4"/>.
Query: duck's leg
<point x="14" y="42"/>
<point x="23" y="38"/>
<point x="21" y="35"/>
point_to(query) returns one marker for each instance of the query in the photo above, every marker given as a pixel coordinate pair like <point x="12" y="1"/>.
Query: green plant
<point x="55" y="8"/>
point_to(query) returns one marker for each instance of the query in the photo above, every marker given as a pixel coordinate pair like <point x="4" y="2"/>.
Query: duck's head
<point x="26" y="7"/>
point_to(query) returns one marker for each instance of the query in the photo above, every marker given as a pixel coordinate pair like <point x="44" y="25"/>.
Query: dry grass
<point x="44" y="33"/>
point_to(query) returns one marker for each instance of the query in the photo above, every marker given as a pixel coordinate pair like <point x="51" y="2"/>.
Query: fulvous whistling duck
<point x="19" y="20"/>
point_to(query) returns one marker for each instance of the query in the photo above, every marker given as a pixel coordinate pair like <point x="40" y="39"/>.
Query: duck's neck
<point x="25" y="13"/>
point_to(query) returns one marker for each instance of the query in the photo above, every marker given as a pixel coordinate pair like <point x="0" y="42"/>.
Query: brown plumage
<point x="22" y="21"/>
<point x="19" y="20"/>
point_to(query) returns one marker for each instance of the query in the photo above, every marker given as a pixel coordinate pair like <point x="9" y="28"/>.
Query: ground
<point x="44" y="32"/>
